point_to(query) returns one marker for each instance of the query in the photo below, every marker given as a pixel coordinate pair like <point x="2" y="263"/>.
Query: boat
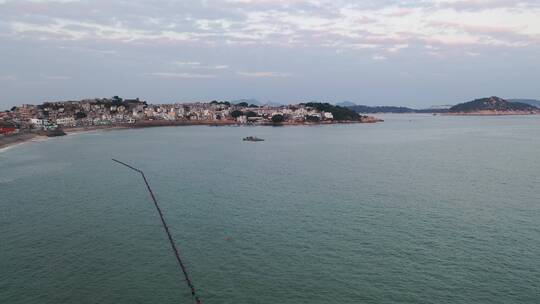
<point x="252" y="138"/>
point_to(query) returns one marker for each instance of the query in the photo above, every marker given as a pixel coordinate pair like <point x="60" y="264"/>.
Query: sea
<point x="417" y="209"/>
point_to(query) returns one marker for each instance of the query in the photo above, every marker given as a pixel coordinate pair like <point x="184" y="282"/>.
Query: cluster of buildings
<point x="117" y="111"/>
<point x="88" y="112"/>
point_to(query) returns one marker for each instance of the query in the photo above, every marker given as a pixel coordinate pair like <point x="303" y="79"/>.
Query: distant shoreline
<point x="491" y="113"/>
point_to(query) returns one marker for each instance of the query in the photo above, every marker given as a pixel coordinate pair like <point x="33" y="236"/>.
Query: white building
<point x="242" y="119"/>
<point x="39" y="123"/>
<point x="66" y="121"/>
<point x="328" y="115"/>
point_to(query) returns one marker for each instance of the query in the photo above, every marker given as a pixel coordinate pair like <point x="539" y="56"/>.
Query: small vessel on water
<point x="252" y="138"/>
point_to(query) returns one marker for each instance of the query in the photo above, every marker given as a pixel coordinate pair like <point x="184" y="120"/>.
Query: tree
<point x="251" y="114"/>
<point x="253" y="106"/>
<point x="242" y="104"/>
<point x="80" y="115"/>
<point x="236" y="113"/>
<point x="215" y="102"/>
<point x="278" y="118"/>
<point x="339" y="113"/>
<point x="311" y="118"/>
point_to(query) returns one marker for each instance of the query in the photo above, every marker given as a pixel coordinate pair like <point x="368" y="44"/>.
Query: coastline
<point x="493" y="113"/>
<point x="17" y="139"/>
<point x="7" y="142"/>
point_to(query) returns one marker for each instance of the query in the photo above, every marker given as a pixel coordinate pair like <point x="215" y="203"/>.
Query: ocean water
<point x="418" y="209"/>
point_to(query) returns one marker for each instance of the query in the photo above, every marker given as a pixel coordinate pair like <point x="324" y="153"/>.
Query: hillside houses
<point x="118" y="111"/>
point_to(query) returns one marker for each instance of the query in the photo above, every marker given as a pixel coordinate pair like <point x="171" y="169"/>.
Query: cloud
<point x="272" y="42"/>
<point x="56" y="77"/>
<point x="382" y="25"/>
<point x="214" y="67"/>
<point x="479" y="5"/>
<point x="41" y="1"/>
<point x="179" y="75"/>
<point x="197" y="65"/>
<point x="7" y="78"/>
<point x="187" y="63"/>
<point x="264" y="74"/>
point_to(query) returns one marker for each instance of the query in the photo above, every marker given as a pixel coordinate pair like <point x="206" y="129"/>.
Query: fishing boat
<point x="252" y="138"/>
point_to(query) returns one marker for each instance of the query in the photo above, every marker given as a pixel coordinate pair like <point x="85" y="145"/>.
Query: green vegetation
<point x="532" y="102"/>
<point x="339" y="113"/>
<point x="236" y="113"/>
<point x="251" y="114"/>
<point x="313" y="118"/>
<point x="381" y="109"/>
<point x="225" y="103"/>
<point x="80" y="115"/>
<point x="491" y="104"/>
<point x="278" y="118"/>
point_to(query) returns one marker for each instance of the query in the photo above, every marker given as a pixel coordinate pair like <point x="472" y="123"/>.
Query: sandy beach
<point x="13" y="140"/>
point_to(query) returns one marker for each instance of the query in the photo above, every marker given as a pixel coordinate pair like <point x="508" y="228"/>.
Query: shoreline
<point x="493" y="113"/>
<point x="17" y="139"/>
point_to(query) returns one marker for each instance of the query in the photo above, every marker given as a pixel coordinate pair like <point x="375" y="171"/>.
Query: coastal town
<point x="50" y="117"/>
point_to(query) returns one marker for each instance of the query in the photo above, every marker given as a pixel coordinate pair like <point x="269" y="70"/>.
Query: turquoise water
<point x="418" y="209"/>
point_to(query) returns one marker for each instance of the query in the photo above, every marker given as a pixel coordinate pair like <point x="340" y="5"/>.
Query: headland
<point x="50" y="119"/>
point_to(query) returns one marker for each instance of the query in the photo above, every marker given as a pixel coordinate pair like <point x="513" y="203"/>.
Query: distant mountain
<point x="532" y="102"/>
<point x="380" y="109"/>
<point x="249" y="101"/>
<point x="492" y="104"/>
<point x="520" y="106"/>
<point x="433" y="110"/>
<point x="440" y="107"/>
<point x="346" y="104"/>
<point x="253" y="101"/>
<point x="273" y="104"/>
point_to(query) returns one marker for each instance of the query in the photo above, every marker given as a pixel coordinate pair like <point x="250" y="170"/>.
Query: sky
<point x="374" y="52"/>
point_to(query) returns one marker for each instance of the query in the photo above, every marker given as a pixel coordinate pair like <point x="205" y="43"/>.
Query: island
<point x="489" y="106"/>
<point x="58" y="118"/>
<point x="493" y="106"/>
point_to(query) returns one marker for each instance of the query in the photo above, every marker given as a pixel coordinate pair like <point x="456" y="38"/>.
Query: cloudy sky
<point x="415" y="53"/>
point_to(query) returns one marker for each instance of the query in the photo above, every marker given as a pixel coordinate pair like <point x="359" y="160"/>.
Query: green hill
<point x="532" y="102"/>
<point x="339" y="113"/>
<point x="380" y="109"/>
<point x="492" y="104"/>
